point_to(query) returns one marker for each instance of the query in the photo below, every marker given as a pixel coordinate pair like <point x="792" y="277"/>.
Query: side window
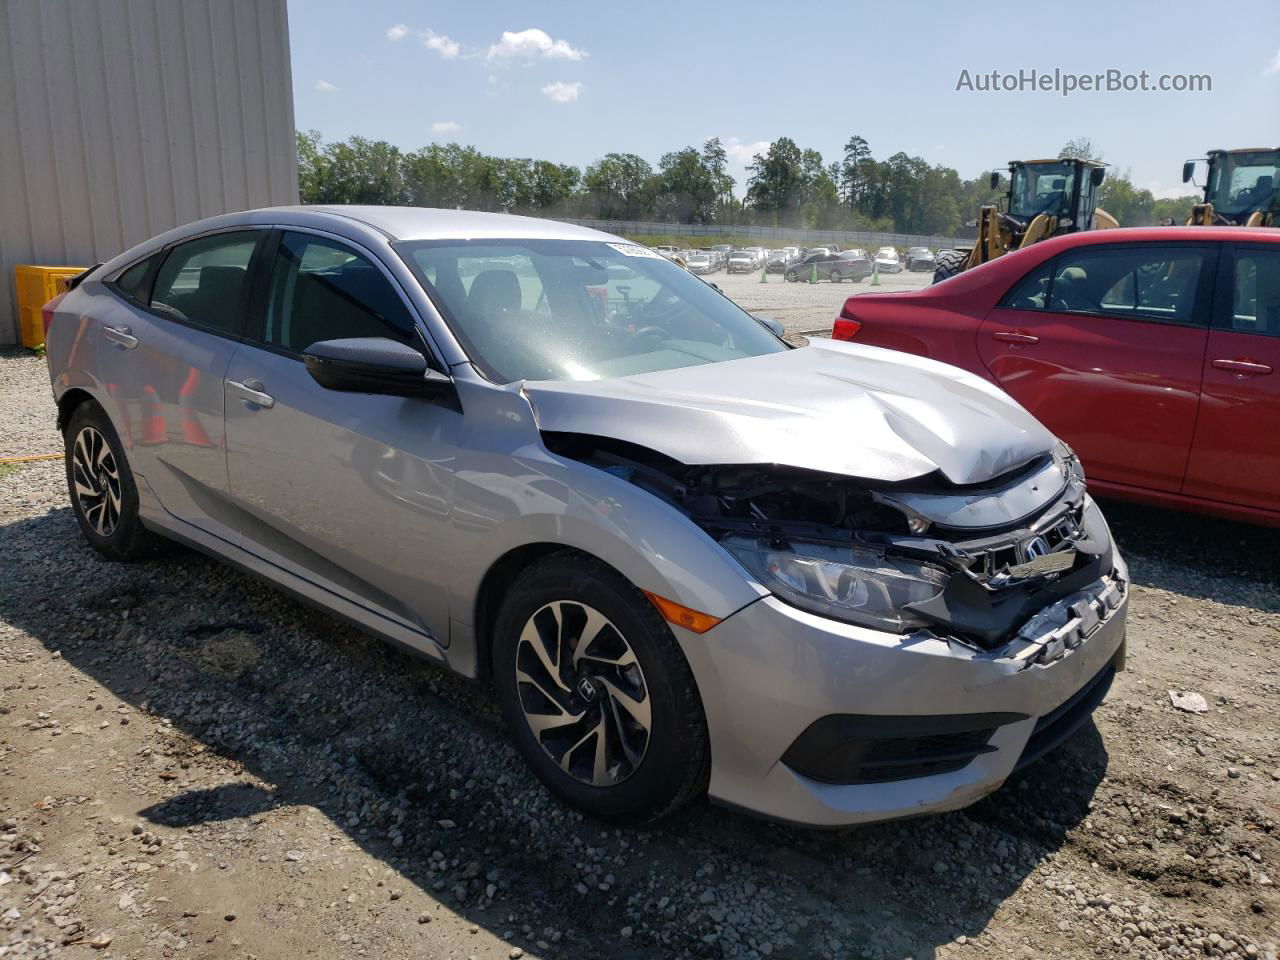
<point x="1155" y="283"/>
<point x="206" y="281"/>
<point x="1032" y="291"/>
<point x="324" y="290"/>
<point x="135" y="282"/>
<point x="1255" y="292"/>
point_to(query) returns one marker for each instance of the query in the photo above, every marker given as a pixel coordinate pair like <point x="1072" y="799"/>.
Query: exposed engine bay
<point x="972" y="564"/>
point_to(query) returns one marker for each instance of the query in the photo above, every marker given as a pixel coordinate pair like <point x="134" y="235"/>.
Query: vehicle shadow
<point x="413" y="766"/>
<point x="1199" y="556"/>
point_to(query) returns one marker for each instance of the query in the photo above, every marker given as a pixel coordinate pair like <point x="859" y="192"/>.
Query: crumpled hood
<point x="837" y="407"/>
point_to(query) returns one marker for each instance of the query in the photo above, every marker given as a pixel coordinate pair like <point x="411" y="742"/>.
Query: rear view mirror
<point x="995" y="179"/>
<point x="1188" y="171"/>
<point x="372" y="365"/>
<point x="1096" y="175"/>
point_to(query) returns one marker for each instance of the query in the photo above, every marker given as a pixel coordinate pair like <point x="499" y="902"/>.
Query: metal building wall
<point x="120" y="119"/>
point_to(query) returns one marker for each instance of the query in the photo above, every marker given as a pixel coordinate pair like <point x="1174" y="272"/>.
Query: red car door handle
<point x="1242" y="366"/>
<point x="1008" y="336"/>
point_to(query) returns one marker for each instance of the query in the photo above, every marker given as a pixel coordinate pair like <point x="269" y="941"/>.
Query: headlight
<point x="1069" y="463"/>
<point x="848" y="583"/>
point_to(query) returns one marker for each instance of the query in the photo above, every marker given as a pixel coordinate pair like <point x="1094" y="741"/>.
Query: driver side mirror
<point x="374" y="365"/>
<point x="1096" y="175"/>
<point x="995" y="179"/>
<point x="773" y="326"/>
<point x="1188" y="171"/>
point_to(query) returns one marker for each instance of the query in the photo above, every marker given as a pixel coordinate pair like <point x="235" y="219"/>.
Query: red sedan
<point x="1154" y="352"/>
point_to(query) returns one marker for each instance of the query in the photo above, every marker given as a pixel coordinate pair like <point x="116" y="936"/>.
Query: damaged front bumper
<point x="825" y="723"/>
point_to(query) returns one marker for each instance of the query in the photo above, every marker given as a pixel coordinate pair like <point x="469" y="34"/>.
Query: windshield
<point x="1041" y="188"/>
<point x="1242" y="182"/>
<point x="579" y="309"/>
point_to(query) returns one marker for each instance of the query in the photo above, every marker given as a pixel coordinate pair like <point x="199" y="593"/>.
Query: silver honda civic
<point x="828" y="585"/>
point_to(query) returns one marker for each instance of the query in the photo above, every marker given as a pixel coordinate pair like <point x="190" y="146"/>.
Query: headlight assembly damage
<point x="970" y="564"/>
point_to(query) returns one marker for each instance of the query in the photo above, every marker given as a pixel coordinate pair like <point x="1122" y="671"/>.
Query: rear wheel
<point x="949" y="263"/>
<point x="104" y="496"/>
<point x="835" y="276"/>
<point x="791" y="276"/>
<point x="596" y="692"/>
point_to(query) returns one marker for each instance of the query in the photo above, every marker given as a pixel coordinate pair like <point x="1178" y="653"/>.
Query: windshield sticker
<point x="634" y="250"/>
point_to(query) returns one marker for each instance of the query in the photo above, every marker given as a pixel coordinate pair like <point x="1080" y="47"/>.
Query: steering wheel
<point x="650" y="331"/>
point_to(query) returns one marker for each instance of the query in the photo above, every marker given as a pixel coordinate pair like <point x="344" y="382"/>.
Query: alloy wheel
<point x="96" y="481"/>
<point x="583" y="693"/>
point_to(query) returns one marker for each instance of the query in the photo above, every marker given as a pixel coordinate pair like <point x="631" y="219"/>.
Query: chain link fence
<point x="775" y="236"/>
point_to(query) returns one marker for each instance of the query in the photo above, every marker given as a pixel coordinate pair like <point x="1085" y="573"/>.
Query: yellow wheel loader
<point x="1242" y="189"/>
<point x="1046" y="198"/>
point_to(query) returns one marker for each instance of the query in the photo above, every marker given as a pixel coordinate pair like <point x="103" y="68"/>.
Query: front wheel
<point x="949" y="263"/>
<point x="597" y="694"/>
<point x="791" y="276"/>
<point x="835" y="276"/>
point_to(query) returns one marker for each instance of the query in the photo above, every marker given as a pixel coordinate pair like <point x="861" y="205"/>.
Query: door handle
<point x="1008" y="336"/>
<point x="1242" y="366"/>
<point x="251" y="391"/>
<point x="120" y="335"/>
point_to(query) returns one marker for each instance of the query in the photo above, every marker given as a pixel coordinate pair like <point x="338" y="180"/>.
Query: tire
<point x="791" y="276"/>
<point x="835" y="276"/>
<point x="950" y="262"/>
<point x="100" y="483"/>
<point x="644" y="777"/>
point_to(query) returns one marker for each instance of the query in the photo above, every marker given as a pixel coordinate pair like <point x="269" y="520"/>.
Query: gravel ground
<point x="806" y="308"/>
<point x="191" y="764"/>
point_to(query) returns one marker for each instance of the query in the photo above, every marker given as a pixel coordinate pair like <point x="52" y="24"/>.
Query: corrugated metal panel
<point x="120" y="119"/>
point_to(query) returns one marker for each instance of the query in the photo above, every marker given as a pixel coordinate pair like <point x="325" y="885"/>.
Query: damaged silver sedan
<point x="828" y="585"/>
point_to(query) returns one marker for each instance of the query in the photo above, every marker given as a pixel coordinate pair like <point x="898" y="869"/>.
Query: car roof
<point x="430" y="223"/>
<point x="1161" y="235"/>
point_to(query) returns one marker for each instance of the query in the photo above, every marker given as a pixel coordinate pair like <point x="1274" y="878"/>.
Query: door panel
<point x="1236" y="453"/>
<point x="1122" y="393"/>
<point x="1104" y="345"/>
<point x="165" y="399"/>
<point x="348" y="490"/>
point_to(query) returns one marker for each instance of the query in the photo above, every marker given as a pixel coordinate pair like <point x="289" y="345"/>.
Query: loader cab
<point x="1240" y="182"/>
<point x="1066" y="189"/>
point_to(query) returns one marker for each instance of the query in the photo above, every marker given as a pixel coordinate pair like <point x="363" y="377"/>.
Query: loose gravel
<point x="191" y="764"/>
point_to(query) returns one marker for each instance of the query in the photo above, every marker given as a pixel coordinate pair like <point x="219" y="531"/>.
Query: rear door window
<point x="206" y="281"/>
<point x="1255" y="292"/>
<point x="1152" y="283"/>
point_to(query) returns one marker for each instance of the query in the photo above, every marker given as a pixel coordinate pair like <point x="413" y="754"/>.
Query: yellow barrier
<point x="35" y="287"/>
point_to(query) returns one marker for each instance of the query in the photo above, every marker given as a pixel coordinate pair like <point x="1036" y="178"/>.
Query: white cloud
<point x="563" y="92"/>
<point x="445" y="126"/>
<point x="398" y="32"/>
<point x="1273" y="67"/>
<point x="448" y="49"/>
<point x="743" y="153"/>
<point x="531" y="43"/>
<point x="324" y="86"/>
<point x="1163" y="190"/>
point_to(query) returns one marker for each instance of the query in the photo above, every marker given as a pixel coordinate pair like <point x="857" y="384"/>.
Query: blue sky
<point x="570" y="81"/>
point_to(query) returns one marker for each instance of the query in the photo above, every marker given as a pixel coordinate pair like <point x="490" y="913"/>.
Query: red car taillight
<point x="46" y="312"/>
<point x="847" y="325"/>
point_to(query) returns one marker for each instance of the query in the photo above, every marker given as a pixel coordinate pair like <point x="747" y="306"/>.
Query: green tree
<point x="618" y="187"/>
<point x="776" y="185"/>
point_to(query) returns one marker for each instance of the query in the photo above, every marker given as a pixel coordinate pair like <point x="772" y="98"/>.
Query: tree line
<point x="786" y="186"/>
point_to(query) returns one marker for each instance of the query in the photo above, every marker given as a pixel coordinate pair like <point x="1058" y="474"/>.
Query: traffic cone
<point x="875" y="274"/>
<point x="154" y="430"/>
<point x="764" y="275"/>
<point x="193" y="431"/>
<point x="813" y="277"/>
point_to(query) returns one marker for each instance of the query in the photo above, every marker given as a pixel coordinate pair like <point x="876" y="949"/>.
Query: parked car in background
<point x="667" y="250"/>
<point x="722" y="250"/>
<point x="887" y="260"/>
<point x="818" y="251"/>
<point x="685" y="556"/>
<point x="1154" y="352"/>
<point x="741" y="261"/>
<point x="848" y="265"/>
<point x="793" y="254"/>
<point x="759" y="253"/>
<point x="777" y="262"/>
<point x="700" y="263"/>
<point x="920" y="258"/>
